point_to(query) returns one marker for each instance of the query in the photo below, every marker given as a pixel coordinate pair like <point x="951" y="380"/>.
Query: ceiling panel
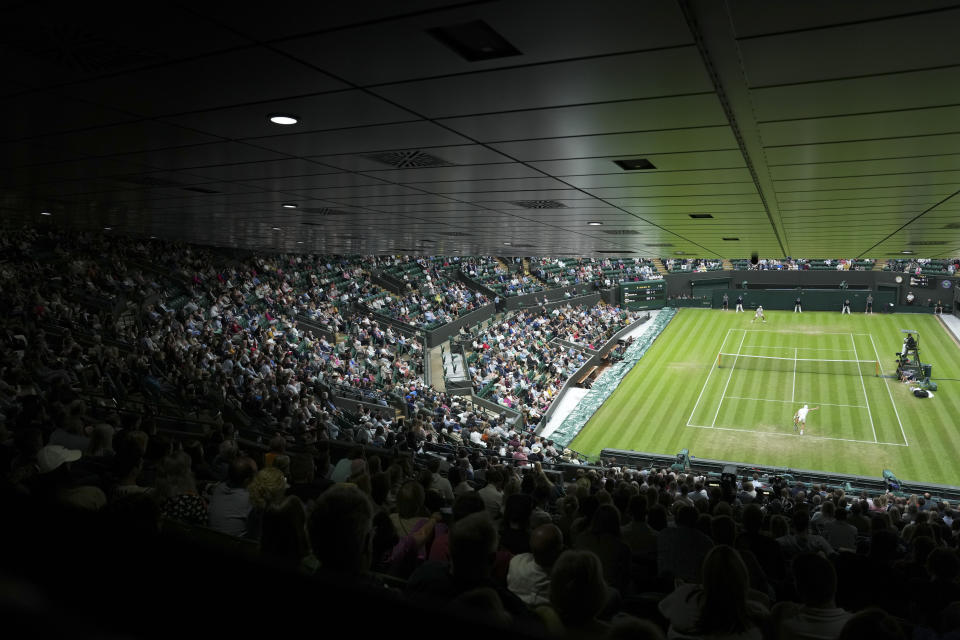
<point x="845" y="125"/>
<point x="666" y="73"/>
<point x="911" y="122"/>
<point x="637" y="144"/>
<point x="406" y="51"/>
<point x="415" y="135"/>
<point x="338" y="110"/>
<point x="863" y="48"/>
<point x="906" y="90"/>
<point x="632" y="115"/>
<point x="266" y="76"/>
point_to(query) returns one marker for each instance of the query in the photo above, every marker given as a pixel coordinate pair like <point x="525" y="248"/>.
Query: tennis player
<point x="800" y="418"/>
<point x="759" y="314"/>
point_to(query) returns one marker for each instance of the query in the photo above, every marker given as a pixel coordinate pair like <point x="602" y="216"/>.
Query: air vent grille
<point x="456" y="234"/>
<point x="700" y="216"/>
<point x="621" y="232"/>
<point x="731" y="239"/>
<point x="666" y="244"/>
<point x="74" y="46"/>
<point x="412" y="159"/>
<point x="539" y="204"/>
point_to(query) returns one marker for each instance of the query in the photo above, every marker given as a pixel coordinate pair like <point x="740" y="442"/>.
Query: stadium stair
<point x="879" y="265"/>
<point x="661" y="268"/>
<point x="727" y="265"/>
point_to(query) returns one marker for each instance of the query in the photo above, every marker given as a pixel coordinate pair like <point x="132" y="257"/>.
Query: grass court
<point x="727" y="388"/>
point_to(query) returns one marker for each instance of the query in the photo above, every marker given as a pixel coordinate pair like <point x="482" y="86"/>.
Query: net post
<point x="877" y="363"/>
<point x="719" y="360"/>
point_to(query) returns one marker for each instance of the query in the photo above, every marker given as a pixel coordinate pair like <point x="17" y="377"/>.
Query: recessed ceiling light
<point x="679" y="253"/>
<point x="594" y="224"/>
<point x="45" y="213"/>
<point x="283" y="119"/>
<point x="288" y="205"/>
<point x="299" y="241"/>
<point x="906" y="252"/>
<point x="276" y="228"/>
<point x="108" y="228"/>
<point x="507" y="243"/>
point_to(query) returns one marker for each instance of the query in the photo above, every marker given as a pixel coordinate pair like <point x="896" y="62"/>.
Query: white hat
<point x="804" y="406"/>
<point x="52" y="456"/>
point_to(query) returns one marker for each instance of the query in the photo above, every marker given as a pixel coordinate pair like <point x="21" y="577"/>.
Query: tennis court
<point x="761" y="377"/>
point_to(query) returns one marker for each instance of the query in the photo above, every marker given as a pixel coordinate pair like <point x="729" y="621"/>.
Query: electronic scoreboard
<point x="649" y="294"/>
<point x="923" y="282"/>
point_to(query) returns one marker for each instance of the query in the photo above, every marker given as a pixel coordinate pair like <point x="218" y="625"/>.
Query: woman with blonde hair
<point x="267" y="488"/>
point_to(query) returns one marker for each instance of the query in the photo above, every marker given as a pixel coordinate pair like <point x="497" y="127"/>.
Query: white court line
<point x="750" y="346"/>
<point x="729" y="376"/>
<point x="887" y="385"/>
<point x="864" y="387"/>
<point x="822" y="404"/>
<point x="794" y="435"/>
<point x="707" y="381"/>
<point x="805" y="333"/>
<point x="793" y="390"/>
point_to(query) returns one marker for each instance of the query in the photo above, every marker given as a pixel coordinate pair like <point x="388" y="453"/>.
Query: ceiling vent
<point x="456" y="234"/>
<point x="621" y="232"/>
<point x="75" y="46"/>
<point x="666" y="244"/>
<point x="474" y="41"/>
<point x="411" y="159"/>
<point x="700" y="216"/>
<point x="539" y="204"/>
<point x="636" y="164"/>
<point x="522" y="246"/>
<point x="731" y="239"/>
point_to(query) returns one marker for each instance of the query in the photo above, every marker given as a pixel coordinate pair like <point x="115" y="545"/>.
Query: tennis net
<point x="799" y="365"/>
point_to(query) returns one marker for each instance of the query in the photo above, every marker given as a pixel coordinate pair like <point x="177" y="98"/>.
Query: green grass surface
<point x="742" y="409"/>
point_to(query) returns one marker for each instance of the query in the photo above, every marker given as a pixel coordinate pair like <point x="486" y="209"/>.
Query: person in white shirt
<point x="800" y="418"/>
<point x="759" y="315"/>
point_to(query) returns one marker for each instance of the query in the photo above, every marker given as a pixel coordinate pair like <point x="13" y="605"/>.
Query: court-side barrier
<point x="608" y="381"/>
<point x="595" y="360"/>
<point x="714" y="469"/>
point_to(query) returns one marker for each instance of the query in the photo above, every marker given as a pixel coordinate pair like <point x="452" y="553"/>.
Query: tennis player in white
<point x="800" y="418"/>
<point x="759" y="314"/>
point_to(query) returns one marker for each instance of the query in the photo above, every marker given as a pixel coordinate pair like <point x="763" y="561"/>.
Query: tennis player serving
<point x="800" y="418"/>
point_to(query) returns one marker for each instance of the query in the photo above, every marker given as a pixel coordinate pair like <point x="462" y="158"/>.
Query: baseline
<point x="795" y="435"/>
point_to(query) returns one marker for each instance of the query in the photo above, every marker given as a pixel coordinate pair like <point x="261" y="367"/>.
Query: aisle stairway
<point x="879" y="265"/>
<point x="661" y="268"/>
<point x="727" y="265"/>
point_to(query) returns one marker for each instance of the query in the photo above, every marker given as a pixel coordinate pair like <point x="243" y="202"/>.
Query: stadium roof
<point x="814" y="129"/>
